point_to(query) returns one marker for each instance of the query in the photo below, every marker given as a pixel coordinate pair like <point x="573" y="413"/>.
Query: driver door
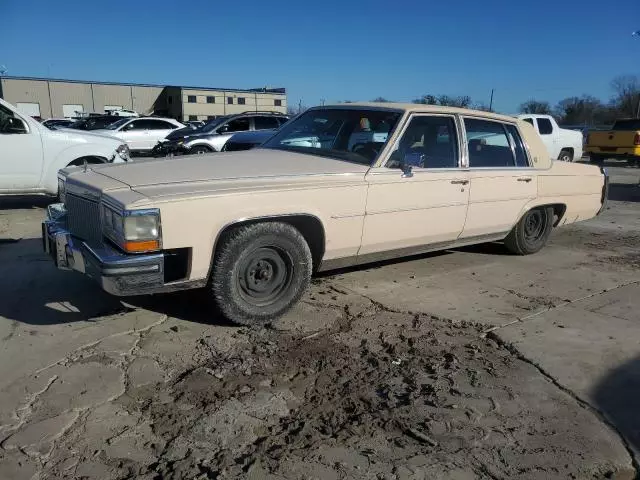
<point x="413" y="211"/>
<point x="135" y="134"/>
<point x="20" y="153"/>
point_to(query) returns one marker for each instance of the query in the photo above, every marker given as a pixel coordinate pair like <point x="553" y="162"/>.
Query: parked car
<point x="121" y="112"/>
<point x="252" y="226"/>
<point x="58" y="122"/>
<point x="143" y="133"/>
<point x="94" y="122"/>
<point x="563" y="144"/>
<point x="31" y="154"/>
<point x="622" y="141"/>
<point x="215" y="133"/>
<point x="247" y="140"/>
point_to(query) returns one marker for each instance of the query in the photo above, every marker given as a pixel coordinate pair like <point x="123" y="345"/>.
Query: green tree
<point x="535" y="107"/>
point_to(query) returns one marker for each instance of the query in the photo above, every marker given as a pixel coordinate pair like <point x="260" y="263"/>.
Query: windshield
<point x="354" y="135"/>
<point x="118" y="124"/>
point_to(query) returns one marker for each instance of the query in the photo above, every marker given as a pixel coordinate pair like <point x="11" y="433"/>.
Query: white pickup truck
<point x="31" y="154"/>
<point x="563" y="144"/>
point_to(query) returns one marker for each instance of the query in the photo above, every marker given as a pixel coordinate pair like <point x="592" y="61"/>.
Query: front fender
<point x="68" y="155"/>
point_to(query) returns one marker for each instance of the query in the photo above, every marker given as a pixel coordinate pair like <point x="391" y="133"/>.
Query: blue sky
<point x="332" y="50"/>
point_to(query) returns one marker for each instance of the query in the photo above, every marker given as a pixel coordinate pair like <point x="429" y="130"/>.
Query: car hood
<point x="252" y="164"/>
<point x="87" y="136"/>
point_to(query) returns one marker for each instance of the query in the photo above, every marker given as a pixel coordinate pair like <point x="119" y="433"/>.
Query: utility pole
<point x="322" y="102"/>
<point x="491" y="102"/>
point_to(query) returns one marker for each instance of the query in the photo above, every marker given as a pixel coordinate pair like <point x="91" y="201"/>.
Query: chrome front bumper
<point x="117" y="273"/>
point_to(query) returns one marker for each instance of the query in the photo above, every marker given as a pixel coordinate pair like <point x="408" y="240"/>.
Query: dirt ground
<point x="422" y="369"/>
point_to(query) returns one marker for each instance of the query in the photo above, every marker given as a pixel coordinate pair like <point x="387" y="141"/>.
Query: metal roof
<point x="279" y="90"/>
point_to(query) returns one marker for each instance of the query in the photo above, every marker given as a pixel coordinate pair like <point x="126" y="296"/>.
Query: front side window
<point x="353" y="135"/>
<point x="488" y="144"/>
<point x="427" y="142"/>
<point x="264" y="123"/>
<point x="10" y="123"/>
<point x="544" y="126"/>
<point x="238" y="125"/>
<point x="116" y="125"/>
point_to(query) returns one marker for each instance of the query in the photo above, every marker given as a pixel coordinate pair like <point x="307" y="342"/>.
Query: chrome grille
<point x="83" y="218"/>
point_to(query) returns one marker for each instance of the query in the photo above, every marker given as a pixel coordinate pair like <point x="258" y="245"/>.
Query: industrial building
<point x="54" y="98"/>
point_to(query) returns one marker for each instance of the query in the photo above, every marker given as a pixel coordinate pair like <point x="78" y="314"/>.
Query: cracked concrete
<point x="381" y="372"/>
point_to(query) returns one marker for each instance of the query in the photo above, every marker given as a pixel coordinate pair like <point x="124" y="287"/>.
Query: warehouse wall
<point x="29" y="91"/>
<point x="67" y="93"/>
<point x="146" y="100"/>
<point x="113" y="95"/>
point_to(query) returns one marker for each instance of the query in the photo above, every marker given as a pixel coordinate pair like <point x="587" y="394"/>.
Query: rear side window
<point x="518" y="146"/>
<point x="544" y="126"/>
<point x="488" y="144"/>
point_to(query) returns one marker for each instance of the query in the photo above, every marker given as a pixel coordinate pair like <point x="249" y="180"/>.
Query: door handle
<point x="525" y="179"/>
<point x="459" y="182"/>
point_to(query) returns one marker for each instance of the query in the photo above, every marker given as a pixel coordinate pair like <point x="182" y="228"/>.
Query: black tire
<point x="566" y="155"/>
<point x="259" y="272"/>
<point x="200" y="150"/>
<point x="596" y="159"/>
<point x="532" y="231"/>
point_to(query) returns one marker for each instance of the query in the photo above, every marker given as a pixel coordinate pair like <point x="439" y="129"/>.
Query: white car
<point x="121" y="112"/>
<point x="562" y="144"/>
<point x="31" y="154"/>
<point x="141" y="134"/>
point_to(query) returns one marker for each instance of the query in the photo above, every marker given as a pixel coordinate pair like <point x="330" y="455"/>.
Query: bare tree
<point x="445" y="100"/>
<point x="483" y="107"/>
<point x="627" y="95"/>
<point x="426" y="100"/>
<point x="535" y="107"/>
<point x="380" y="100"/>
<point x="584" y="110"/>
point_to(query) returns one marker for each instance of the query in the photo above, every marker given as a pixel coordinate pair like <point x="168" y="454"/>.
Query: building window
<point x="191" y="99"/>
<point x="230" y="100"/>
<point x="211" y="99"/>
<point x="241" y="100"/>
<point x="277" y="103"/>
<point x="170" y="99"/>
<point x="211" y="117"/>
<point x="193" y="117"/>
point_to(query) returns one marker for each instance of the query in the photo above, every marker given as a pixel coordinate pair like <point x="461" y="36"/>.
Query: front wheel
<point x="532" y="231"/>
<point x="200" y="150"/>
<point x="260" y="271"/>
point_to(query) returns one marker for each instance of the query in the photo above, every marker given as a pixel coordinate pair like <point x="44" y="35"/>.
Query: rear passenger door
<point x="501" y="176"/>
<point x="265" y="123"/>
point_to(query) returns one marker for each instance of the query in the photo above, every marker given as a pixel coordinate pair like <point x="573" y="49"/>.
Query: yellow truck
<point x="622" y="141"/>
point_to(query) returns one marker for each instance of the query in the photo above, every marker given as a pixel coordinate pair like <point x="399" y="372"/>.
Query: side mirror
<point x="409" y="161"/>
<point x="223" y="129"/>
<point x="15" y="125"/>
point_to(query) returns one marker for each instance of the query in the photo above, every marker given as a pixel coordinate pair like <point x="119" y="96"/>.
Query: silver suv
<point x="214" y="134"/>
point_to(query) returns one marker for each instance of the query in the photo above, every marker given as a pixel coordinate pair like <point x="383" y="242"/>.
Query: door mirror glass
<point x="13" y="125"/>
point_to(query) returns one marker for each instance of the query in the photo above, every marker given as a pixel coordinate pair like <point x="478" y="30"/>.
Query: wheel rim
<point x="201" y="151"/>
<point x="534" y="226"/>
<point x="264" y="275"/>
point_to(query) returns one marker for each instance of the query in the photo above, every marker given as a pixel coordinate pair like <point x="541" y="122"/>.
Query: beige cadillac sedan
<point x="337" y="186"/>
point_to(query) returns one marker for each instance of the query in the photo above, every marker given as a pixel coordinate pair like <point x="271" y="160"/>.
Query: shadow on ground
<point x="618" y="397"/>
<point x="35" y="292"/>
<point x="624" y="192"/>
<point x="25" y="201"/>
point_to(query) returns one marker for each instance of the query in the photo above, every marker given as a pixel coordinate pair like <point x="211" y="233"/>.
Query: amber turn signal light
<point x="141" y="246"/>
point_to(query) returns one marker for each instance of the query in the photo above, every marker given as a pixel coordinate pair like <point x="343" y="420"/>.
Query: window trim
<point x="393" y="146"/>
<point x="502" y="123"/>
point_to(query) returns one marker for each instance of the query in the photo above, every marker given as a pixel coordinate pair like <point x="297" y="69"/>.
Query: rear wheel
<point x="532" y="231"/>
<point x="566" y="155"/>
<point x="260" y="271"/>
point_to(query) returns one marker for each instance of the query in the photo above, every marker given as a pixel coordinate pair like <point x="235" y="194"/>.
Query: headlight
<point x="123" y="152"/>
<point x="62" y="189"/>
<point x="137" y="231"/>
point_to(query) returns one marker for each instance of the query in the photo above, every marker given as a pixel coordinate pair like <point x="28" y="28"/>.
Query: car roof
<point x="419" y="108"/>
